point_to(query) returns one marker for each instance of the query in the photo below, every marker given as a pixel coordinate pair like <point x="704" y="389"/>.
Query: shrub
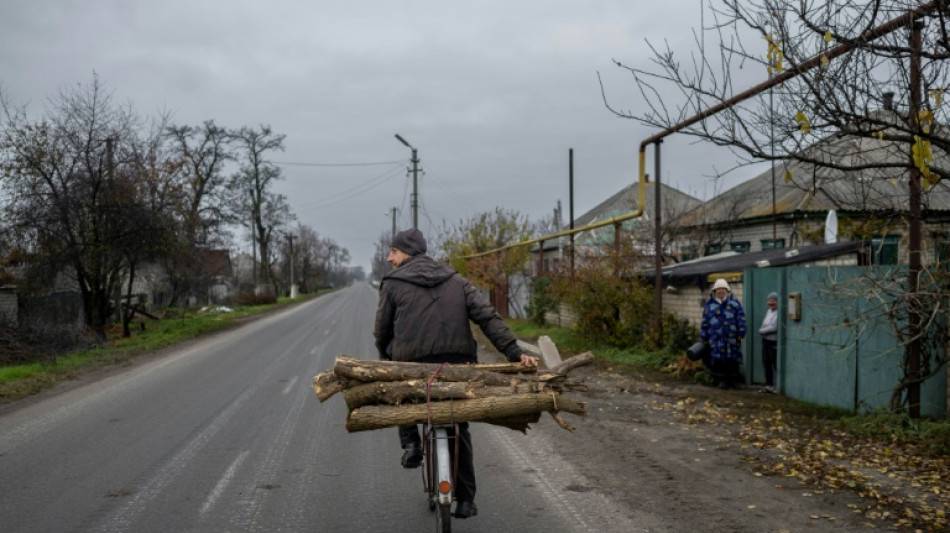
<point x="252" y="299"/>
<point x="610" y="308"/>
<point x="678" y="333"/>
<point x="542" y="301"/>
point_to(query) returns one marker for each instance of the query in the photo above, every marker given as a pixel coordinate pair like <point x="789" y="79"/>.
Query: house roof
<point x="215" y="262"/>
<point x="626" y="200"/>
<point x="802" y="187"/>
<point x="623" y="202"/>
<point x="695" y="272"/>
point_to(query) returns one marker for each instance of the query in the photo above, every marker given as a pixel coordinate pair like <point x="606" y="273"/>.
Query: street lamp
<point x="415" y="182"/>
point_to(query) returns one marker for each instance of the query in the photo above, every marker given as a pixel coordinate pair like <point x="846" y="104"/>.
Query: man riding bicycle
<point x="423" y="316"/>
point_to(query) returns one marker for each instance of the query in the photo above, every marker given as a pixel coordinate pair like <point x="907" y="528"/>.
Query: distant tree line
<point x="92" y="192"/>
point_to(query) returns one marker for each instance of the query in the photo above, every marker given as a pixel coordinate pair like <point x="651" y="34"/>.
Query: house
<point x="687" y="285"/>
<point x="640" y="230"/>
<point x="788" y="207"/>
<point x="211" y="280"/>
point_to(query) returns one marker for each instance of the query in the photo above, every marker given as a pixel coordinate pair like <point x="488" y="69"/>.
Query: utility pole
<point x="113" y="203"/>
<point x="415" y="181"/>
<point x="914" y="267"/>
<point x="293" y="280"/>
<point x="557" y="229"/>
<point x="570" y="203"/>
<point x="393" y="237"/>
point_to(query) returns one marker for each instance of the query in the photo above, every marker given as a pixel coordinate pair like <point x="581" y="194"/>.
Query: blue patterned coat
<point x="722" y="328"/>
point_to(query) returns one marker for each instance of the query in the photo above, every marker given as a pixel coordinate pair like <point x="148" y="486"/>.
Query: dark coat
<point x="424" y="312"/>
<point x="723" y="328"/>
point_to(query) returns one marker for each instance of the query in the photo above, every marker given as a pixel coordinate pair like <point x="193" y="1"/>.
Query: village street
<point x="687" y="457"/>
<point x="225" y="434"/>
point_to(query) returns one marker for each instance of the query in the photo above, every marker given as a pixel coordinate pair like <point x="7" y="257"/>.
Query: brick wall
<point x="687" y="302"/>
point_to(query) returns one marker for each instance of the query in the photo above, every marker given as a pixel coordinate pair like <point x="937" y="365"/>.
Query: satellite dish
<point x="831" y="227"/>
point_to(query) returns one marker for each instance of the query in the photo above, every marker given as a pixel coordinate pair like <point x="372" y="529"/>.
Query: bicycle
<point x="438" y="477"/>
<point x="439" y="472"/>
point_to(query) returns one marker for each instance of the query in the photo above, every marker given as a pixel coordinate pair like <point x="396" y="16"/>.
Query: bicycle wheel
<point x="441" y="489"/>
<point x="443" y="519"/>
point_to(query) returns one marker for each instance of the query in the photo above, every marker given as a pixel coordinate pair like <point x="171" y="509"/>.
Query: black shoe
<point x="465" y="509"/>
<point x="412" y="457"/>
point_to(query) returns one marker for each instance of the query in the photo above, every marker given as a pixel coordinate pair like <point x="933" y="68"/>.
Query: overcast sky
<point x="491" y="93"/>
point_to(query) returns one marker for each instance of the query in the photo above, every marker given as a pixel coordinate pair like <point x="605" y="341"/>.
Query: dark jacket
<point x="424" y="312"/>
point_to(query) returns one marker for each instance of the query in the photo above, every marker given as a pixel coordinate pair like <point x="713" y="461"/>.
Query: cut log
<point x="571" y="363"/>
<point x="365" y="370"/>
<point x="477" y="410"/>
<point x="414" y="391"/>
<point x="326" y="384"/>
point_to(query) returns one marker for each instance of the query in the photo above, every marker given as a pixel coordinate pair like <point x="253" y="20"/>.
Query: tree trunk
<point x="571" y="363"/>
<point x="326" y="384"/>
<point x="399" y="392"/>
<point x="365" y="370"/>
<point x="414" y="391"/>
<point x="477" y="410"/>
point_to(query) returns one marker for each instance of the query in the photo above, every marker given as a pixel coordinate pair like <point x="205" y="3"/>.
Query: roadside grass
<point x="569" y="342"/>
<point x="658" y="365"/>
<point x="179" y="325"/>
<point x="934" y="434"/>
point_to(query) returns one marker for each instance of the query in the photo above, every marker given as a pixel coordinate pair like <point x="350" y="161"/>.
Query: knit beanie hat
<point x="772" y="296"/>
<point x="721" y="284"/>
<point x="410" y="241"/>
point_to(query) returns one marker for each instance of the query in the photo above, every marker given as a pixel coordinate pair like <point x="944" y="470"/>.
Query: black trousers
<point x="769" y="360"/>
<point x="465" y="476"/>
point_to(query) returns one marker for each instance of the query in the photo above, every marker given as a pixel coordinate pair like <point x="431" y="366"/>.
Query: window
<point x="772" y="244"/>
<point x="713" y="249"/>
<point x="881" y="251"/>
<point x="688" y="252"/>
<point x="741" y="247"/>
<point x="942" y="251"/>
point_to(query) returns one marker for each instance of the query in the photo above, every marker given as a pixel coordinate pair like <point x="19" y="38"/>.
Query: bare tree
<point x="860" y="108"/>
<point x="262" y="209"/>
<point x="80" y="185"/>
<point x="205" y="205"/>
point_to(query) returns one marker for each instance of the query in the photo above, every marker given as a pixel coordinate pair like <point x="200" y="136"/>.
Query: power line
<point x="355" y="191"/>
<point x="296" y="164"/>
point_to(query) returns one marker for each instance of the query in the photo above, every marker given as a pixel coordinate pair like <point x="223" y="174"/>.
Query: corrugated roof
<point x="880" y="186"/>
<point x="627" y="200"/>
<point x="622" y="202"/>
<point x="695" y="272"/>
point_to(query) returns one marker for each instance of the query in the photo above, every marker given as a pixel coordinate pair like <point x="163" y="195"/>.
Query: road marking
<point x="123" y="518"/>
<point x="223" y="482"/>
<point x="290" y="385"/>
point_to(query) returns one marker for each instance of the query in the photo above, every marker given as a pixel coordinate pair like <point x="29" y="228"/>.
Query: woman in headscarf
<point x="723" y="328"/>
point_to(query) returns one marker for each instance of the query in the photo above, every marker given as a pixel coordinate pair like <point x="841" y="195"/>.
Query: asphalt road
<point x="226" y="434"/>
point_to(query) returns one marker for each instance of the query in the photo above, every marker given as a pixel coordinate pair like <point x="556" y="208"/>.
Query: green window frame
<point x="942" y="251"/>
<point x="883" y="250"/>
<point x="740" y="246"/>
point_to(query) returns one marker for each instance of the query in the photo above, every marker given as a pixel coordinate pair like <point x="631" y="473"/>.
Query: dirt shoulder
<point x="680" y="456"/>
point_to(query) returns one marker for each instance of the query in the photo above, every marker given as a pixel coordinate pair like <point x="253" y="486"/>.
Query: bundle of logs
<point x="380" y="394"/>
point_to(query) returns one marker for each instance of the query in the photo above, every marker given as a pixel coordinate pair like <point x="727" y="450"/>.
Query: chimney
<point x="888" y="101"/>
